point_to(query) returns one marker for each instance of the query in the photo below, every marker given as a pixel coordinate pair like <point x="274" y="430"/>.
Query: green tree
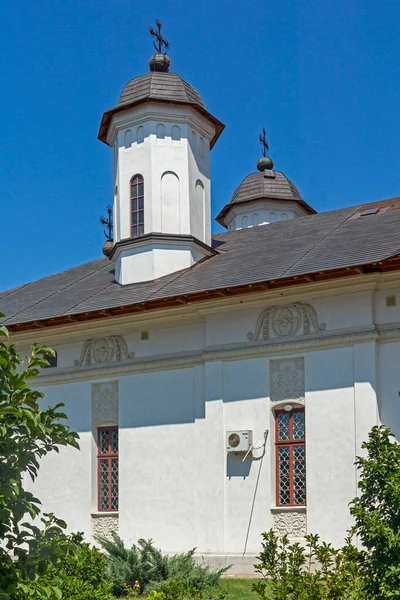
<point x="27" y="434"/>
<point x="377" y="514"/>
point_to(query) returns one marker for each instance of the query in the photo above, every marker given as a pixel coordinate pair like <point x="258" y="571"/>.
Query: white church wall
<point x="389" y="385"/>
<point x="64" y="484"/>
<point x="330" y="442"/>
<point x="157" y="479"/>
<point x="248" y="491"/>
<point x="387" y="305"/>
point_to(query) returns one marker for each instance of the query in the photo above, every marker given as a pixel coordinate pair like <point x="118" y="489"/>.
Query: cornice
<point x="134" y="118"/>
<point x="275" y="347"/>
<point x="195" y="312"/>
<point x="155" y="239"/>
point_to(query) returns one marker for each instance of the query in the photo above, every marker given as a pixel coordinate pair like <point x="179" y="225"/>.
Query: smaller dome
<point x="261" y="187"/>
<point x="257" y="186"/>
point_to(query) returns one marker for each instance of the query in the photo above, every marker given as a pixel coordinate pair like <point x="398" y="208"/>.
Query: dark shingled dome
<point x="159" y="86"/>
<point x="257" y="185"/>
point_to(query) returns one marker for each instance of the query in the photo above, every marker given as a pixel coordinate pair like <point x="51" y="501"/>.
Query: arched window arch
<point x="137" y="205"/>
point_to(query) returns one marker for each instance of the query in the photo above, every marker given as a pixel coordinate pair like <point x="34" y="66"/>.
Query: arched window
<point x="176" y="133"/>
<point x="107" y="462"/>
<point x="290" y="457"/>
<point x="137" y="205"/>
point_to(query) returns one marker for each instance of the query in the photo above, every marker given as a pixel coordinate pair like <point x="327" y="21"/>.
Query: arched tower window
<point x="137" y="205"/>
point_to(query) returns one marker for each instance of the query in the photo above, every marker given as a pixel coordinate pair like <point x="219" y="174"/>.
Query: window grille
<point x="137" y="205"/>
<point x="107" y="457"/>
<point x="290" y="458"/>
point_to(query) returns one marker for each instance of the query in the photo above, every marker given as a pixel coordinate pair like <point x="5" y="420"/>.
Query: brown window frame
<point x="137" y="205"/>
<point x="108" y="457"/>
<point x="290" y="443"/>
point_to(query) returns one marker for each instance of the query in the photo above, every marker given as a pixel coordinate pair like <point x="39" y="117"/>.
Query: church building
<point x="221" y="385"/>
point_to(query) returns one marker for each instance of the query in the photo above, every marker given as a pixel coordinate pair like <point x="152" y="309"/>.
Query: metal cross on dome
<point x="159" y="40"/>
<point x="263" y="141"/>
<point x="108" y="224"/>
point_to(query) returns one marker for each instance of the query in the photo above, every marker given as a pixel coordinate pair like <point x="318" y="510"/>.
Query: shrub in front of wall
<point x="316" y="571"/>
<point x="81" y="576"/>
<point x="145" y="564"/>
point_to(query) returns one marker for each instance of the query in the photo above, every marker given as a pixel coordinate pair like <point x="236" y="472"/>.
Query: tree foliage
<point x="377" y="514"/>
<point x="27" y="434"/>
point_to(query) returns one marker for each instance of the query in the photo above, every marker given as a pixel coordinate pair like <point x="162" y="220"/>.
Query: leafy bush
<point x="178" y="588"/>
<point x="27" y="434"/>
<point x="144" y="564"/>
<point x="316" y="571"/>
<point x="377" y="514"/>
<point x="80" y="576"/>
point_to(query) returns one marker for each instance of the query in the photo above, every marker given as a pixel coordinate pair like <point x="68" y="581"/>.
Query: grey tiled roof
<point x="258" y="185"/>
<point x="306" y="245"/>
<point x="159" y="86"/>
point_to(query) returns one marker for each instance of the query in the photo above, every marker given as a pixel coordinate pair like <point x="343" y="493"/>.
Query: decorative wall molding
<point x="104" y="525"/>
<point x="286" y="379"/>
<point x="229" y="351"/>
<point x="104" y="402"/>
<point x="290" y="522"/>
<point x="287" y="320"/>
<point x="104" y="350"/>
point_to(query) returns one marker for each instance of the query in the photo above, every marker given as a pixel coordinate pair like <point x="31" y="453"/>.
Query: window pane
<point x="103" y="441"/>
<point x="298" y="425"/>
<point x="283" y="426"/>
<point x="134" y="218"/>
<point x="134" y="205"/>
<point x="134" y="230"/>
<point x="114" y="484"/>
<point x="141" y="229"/>
<point x="141" y="203"/>
<point x="114" y="441"/>
<point x="140" y="189"/>
<point x="103" y="484"/>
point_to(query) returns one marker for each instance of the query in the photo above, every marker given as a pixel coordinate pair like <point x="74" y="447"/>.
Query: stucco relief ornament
<point x="293" y="524"/>
<point x="286" y="321"/>
<point x="287" y="379"/>
<point x="104" y="350"/>
<point x="104" y="525"/>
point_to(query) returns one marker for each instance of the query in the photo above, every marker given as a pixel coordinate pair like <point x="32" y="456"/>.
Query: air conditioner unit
<point x="238" y="441"/>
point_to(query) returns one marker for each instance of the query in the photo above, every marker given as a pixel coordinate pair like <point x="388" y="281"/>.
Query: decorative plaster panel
<point x="287" y="379"/>
<point x="104" y="350"/>
<point x="105" y="401"/>
<point x="104" y="525"/>
<point x="292" y="523"/>
<point x="286" y="320"/>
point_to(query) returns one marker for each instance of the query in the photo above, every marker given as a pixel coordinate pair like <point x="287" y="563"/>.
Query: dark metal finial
<point x="263" y="141"/>
<point x="265" y="163"/>
<point x="108" y="224"/>
<point x="159" y="41"/>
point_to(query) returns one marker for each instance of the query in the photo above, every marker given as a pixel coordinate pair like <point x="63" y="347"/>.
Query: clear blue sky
<point x="322" y="76"/>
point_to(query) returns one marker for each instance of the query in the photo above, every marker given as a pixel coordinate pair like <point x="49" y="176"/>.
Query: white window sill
<point x="288" y="509"/>
<point x="104" y="513"/>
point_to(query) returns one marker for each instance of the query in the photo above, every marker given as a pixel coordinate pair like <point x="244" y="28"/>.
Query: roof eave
<point x="389" y="264"/>
<point x="108" y="115"/>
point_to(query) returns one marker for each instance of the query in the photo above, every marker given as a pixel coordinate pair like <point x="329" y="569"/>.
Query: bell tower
<point x="161" y="135"/>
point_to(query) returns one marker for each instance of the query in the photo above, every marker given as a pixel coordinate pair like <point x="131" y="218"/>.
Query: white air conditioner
<point x="238" y="441"/>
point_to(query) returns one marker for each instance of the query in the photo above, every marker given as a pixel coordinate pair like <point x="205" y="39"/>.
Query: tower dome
<point x="158" y="86"/>
<point x="263" y="197"/>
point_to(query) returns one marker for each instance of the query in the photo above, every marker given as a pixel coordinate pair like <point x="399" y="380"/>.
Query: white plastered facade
<point x="200" y="374"/>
